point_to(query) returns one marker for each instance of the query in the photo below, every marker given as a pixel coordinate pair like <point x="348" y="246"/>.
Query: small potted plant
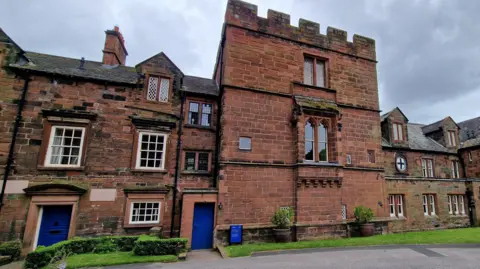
<point x="282" y="219"/>
<point x="364" y="216"/>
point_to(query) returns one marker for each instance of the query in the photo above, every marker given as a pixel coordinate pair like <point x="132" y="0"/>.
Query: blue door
<point x="202" y="230"/>
<point x="54" y="225"/>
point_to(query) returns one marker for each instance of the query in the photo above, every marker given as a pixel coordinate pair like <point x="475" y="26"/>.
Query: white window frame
<point x="397" y="132"/>
<point x="48" y="157"/>
<point x="245" y="138"/>
<point x="157" y="96"/>
<point x="428" y="204"/>
<point x="145" y="222"/>
<point x="470" y="158"/>
<point x="455" y="171"/>
<point x="139" y="150"/>
<point x="427" y="167"/>
<point x="396" y="209"/>
<point x="452" y="138"/>
<point x="458" y="201"/>
<point x="321" y="142"/>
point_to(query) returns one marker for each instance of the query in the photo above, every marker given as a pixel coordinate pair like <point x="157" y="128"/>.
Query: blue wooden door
<point x="202" y="230"/>
<point x="54" y="225"/>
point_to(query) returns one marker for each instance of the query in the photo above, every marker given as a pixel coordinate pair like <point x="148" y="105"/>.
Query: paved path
<point x="396" y="257"/>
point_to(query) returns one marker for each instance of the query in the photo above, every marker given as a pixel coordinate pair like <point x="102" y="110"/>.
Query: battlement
<point x="245" y="15"/>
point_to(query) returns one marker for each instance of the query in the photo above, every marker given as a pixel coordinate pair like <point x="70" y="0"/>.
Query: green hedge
<point x="11" y="248"/>
<point x="42" y="256"/>
<point x="148" y="246"/>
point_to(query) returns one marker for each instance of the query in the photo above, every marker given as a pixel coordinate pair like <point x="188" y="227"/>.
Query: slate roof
<point x="417" y="140"/>
<point x="432" y="127"/>
<point x="469" y="133"/>
<point x="316" y="103"/>
<point x="200" y="85"/>
<point x="64" y="66"/>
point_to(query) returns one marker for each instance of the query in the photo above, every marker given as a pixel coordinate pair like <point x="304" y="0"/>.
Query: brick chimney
<point x="114" y="51"/>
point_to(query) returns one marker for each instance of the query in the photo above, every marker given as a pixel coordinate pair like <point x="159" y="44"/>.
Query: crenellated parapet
<point x="245" y="15"/>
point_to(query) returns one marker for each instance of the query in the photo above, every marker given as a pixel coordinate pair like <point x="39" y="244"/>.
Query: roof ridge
<point x="476" y="118"/>
<point x="199" y="77"/>
<point x="70" y="58"/>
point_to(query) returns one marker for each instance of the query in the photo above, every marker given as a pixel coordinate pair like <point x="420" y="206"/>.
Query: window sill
<point x="313" y="86"/>
<point x="136" y="170"/>
<point x="398" y="218"/>
<point x="313" y="163"/>
<point x="197" y="173"/>
<point x="59" y="168"/>
<point x="193" y="126"/>
<point x="458" y="216"/>
<point x="157" y="102"/>
<point x="150" y="225"/>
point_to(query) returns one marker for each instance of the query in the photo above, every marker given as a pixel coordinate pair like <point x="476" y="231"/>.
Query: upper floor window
<point x="316" y="143"/>
<point x="427" y="167"/>
<point x="151" y="151"/>
<point x="452" y="140"/>
<point x="428" y="204"/>
<point x="396" y="205"/>
<point x="158" y="89"/>
<point x="371" y="156"/>
<point x="197" y="161"/>
<point x="397" y="131"/>
<point x="65" y="147"/>
<point x="199" y="114"/>
<point x="470" y="158"/>
<point x="455" y="171"/>
<point x="314" y="72"/>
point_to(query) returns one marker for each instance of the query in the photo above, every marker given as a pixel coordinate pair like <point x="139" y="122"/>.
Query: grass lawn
<point x="115" y="258"/>
<point x="452" y="236"/>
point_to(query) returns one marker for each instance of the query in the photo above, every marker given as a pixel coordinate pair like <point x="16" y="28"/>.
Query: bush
<point x="283" y="218"/>
<point x="150" y="246"/>
<point x="363" y="214"/>
<point x="42" y="256"/>
<point x="11" y="248"/>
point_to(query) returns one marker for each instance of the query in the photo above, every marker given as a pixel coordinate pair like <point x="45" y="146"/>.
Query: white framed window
<point x="428" y="204"/>
<point x="396" y="205"/>
<point x="452" y="140"/>
<point x="456" y="204"/>
<point x="470" y="158"/>
<point x="144" y="212"/>
<point x="151" y="151"/>
<point x="158" y="89"/>
<point x="455" y="173"/>
<point x="322" y="143"/>
<point x="427" y="167"/>
<point x="65" y="147"/>
<point x="397" y="131"/>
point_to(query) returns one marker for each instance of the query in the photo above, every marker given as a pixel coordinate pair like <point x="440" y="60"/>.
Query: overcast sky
<point x="428" y="50"/>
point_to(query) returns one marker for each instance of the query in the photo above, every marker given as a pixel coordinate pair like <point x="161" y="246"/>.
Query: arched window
<point x="322" y="143"/>
<point x="309" y="142"/>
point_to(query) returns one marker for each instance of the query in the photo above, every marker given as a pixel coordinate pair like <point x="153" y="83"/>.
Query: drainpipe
<point x="220" y="111"/>
<point x="18" y="119"/>
<point x="177" y="161"/>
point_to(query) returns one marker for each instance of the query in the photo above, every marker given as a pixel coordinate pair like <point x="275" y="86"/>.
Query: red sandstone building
<point x="290" y="119"/>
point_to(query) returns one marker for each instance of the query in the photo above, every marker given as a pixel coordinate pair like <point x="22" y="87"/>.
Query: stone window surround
<point x="136" y="151"/>
<point x="196" y="161"/>
<point x="400" y="202"/>
<point x="400" y="134"/>
<point x="49" y="123"/>
<point x="451" y="138"/>
<point x="160" y="76"/>
<point x="459" y="201"/>
<point x="426" y="161"/>
<point x="316" y="58"/>
<point x="327" y="123"/>
<point x="429" y="199"/>
<point x="200" y="103"/>
<point x="144" y="197"/>
<point x="455" y="169"/>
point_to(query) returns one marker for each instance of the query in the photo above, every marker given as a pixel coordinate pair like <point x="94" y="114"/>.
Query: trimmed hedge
<point x="11" y="248"/>
<point x="42" y="256"/>
<point x="153" y="246"/>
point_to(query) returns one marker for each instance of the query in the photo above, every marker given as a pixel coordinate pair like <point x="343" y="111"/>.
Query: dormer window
<point x="398" y="132"/>
<point x="158" y="89"/>
<point x="452" y="140"/>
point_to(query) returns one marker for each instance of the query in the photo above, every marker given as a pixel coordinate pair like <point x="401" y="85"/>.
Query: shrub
<point x="149" y="246"/>
<point x="42" y="256"/>
<point x="282" y="219"/>
<point x="11" y="248"/>
<point x="363" y="214"/>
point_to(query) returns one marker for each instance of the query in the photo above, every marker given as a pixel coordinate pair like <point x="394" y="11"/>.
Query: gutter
<point x="11" y="151"/>
<point x="177" y="163"/>
<point x="220" y="109"/>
